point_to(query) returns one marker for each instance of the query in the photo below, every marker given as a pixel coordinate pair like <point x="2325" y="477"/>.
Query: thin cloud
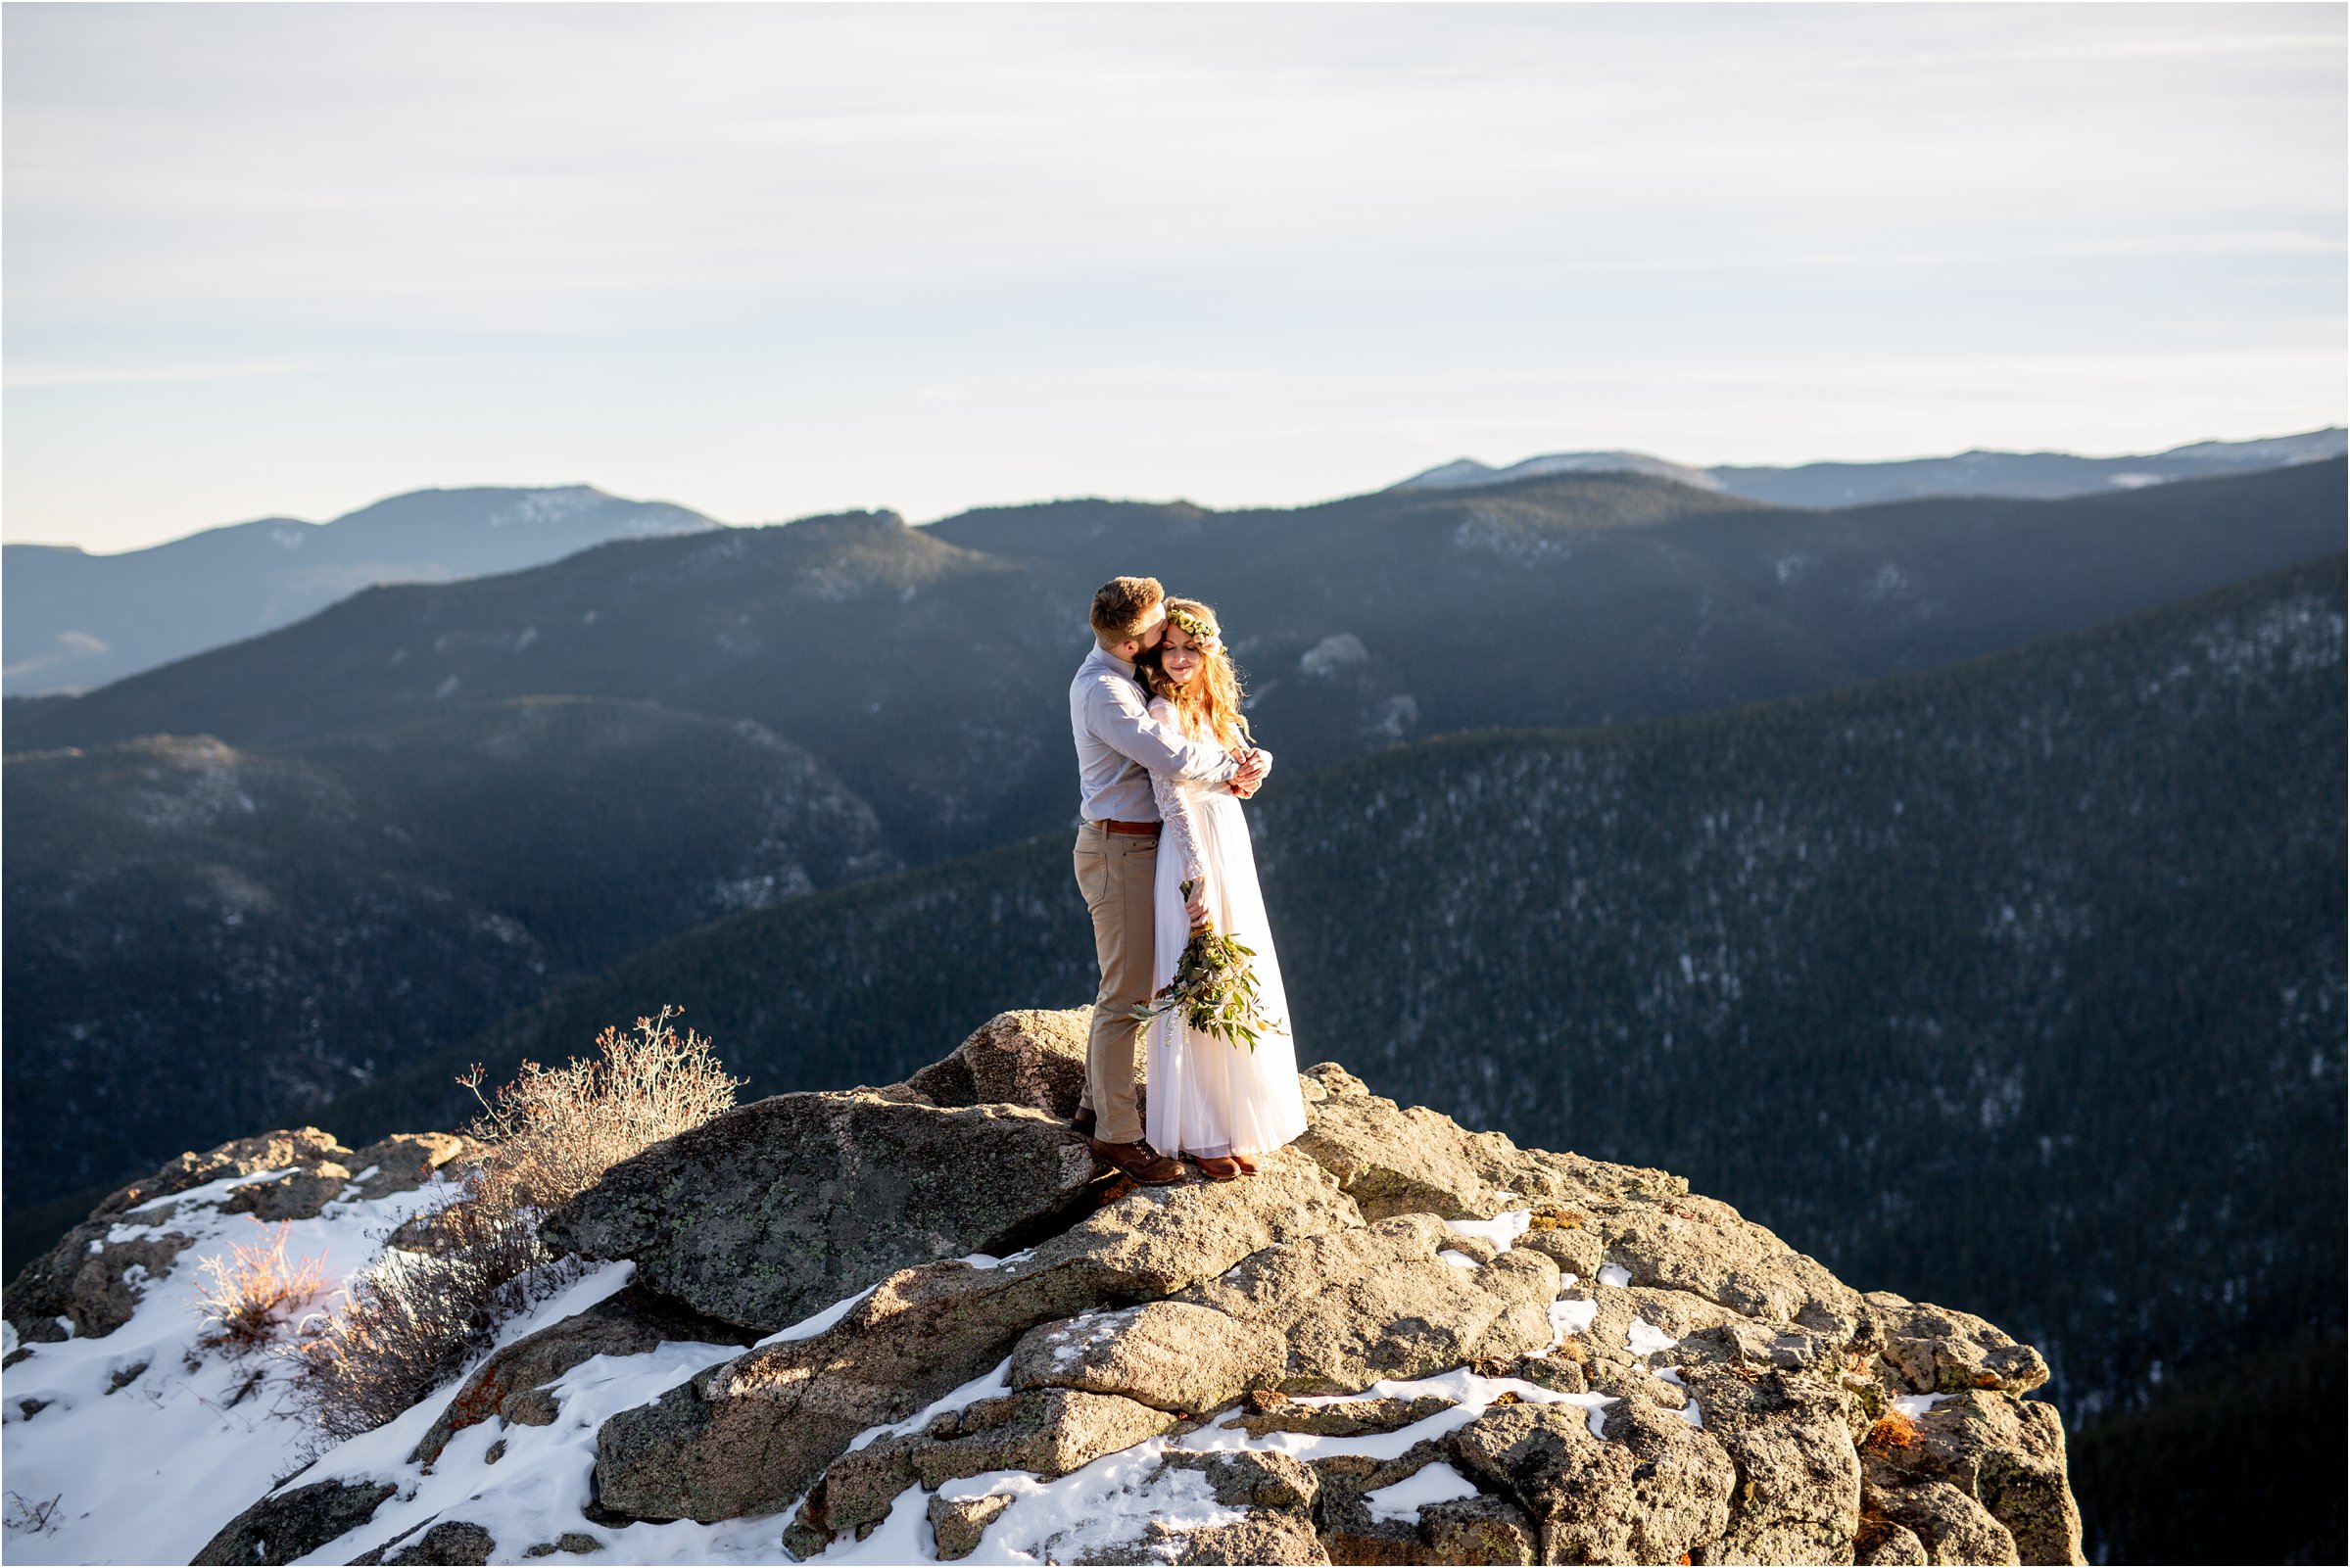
<point x="256" y="242"/>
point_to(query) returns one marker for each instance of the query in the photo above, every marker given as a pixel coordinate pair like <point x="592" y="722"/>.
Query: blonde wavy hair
<point x="1210" y="705"/>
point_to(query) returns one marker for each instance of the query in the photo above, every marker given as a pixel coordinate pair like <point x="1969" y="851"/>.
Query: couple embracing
<point x="1164" y="762"/>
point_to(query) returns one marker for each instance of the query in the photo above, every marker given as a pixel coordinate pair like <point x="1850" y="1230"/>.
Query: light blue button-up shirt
<point x="1120" y="745"/>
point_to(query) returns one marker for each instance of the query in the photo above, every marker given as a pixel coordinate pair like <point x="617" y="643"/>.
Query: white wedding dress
<point x="1207" y="1096"/>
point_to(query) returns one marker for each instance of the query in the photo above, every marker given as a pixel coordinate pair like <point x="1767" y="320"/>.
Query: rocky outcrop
<point x="775" y="1210"/>
<point x="1356" y="1306"/>
<point x="511" y="1385"/>
<point x="292" y="1524"/>
<point x="301" y="1148"/>
<point x="1401" y="1341"/>
<point x="1025" y="1057"/>
<point x="1735" y="1380"/>
<point x="749" y="1436"/>
<point x="1047" y="1432"/>
<point x="89" y="1283"/>
<point x="406" y="1161"/>
<point x="444" y="1542"/>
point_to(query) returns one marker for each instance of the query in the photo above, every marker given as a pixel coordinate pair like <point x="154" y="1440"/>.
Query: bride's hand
<point x="1196" y="905"/>
<point x="1253" y="764"/>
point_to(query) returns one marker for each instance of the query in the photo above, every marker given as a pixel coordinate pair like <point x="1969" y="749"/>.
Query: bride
<point x="1216" y="1102"/>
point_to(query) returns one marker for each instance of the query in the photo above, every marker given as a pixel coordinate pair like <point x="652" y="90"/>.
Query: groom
<point x="1119" y="746"/>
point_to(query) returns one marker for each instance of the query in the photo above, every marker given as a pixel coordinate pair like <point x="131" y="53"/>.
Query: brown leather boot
<point x="1140" y="1160"/>
<point x="1216" y="1167"/>
<point x="1084" y="1121"/>
<point x="1248" y="1166"/>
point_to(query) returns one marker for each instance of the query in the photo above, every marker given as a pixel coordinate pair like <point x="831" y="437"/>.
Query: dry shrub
<point x="249" y="1296"/>
<point x="1893" y="1430"/>
<point x="555" y="1131"/>
<point x="31" y="1517"/>
<point x="412" y="1321"/>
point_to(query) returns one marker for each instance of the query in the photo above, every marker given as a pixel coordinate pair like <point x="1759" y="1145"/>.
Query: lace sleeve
<point x="1175" y="805"/>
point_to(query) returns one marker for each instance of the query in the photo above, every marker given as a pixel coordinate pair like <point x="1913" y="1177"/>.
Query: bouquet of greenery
<point x="1213" y="987"/>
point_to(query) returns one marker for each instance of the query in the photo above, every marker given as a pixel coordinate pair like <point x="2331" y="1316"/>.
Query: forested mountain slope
<point x="204" y="937"/>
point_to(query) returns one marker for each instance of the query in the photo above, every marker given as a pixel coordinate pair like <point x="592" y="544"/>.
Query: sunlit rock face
<point x="1399" y="1341"/>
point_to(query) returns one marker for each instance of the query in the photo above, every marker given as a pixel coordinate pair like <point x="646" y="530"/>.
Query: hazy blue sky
<point x="766" y="260"/>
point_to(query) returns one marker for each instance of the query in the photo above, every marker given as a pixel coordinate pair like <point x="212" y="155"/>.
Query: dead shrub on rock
<point x="1893" y="1430"/>
<point x="251" y="1296"/>
<point x="413" y="1320"/>
<point x="555" y="1131"/>
<point x="475" y="1259"/>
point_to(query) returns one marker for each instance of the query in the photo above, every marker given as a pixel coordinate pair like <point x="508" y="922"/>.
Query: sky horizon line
<point x="927" y="519"/>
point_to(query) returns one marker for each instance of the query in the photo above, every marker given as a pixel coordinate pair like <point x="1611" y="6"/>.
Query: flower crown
<point x="1198" y="630"/>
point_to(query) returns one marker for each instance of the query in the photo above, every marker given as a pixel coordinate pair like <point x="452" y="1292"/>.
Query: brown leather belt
<point x="1112" y="825"/>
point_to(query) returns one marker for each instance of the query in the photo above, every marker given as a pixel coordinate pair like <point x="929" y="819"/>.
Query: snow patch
<point x="541" y="1483"/>
<point x="816" y="1322"/>
<point x="1646" y="1338"/>
<point x="987" y="1386"/>
<point x="1573" y="1317"/>
<point x="1503" y="1229"/>
<point x="1471" y="1392"/>
<point x="1114" y="1501"/>
<point x="1430" y="1484"/>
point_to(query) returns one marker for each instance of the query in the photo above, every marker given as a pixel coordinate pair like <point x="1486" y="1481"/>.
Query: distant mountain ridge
<point x="1462" y="472"/>
<point x="75" y="621"/>
<point x="2036" y="475"/>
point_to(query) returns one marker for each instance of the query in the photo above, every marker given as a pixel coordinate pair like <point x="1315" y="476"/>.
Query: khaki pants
<point x="1118" y="873"/>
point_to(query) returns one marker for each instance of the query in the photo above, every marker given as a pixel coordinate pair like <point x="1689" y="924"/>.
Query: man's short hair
<point x="1122" y="604"/>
